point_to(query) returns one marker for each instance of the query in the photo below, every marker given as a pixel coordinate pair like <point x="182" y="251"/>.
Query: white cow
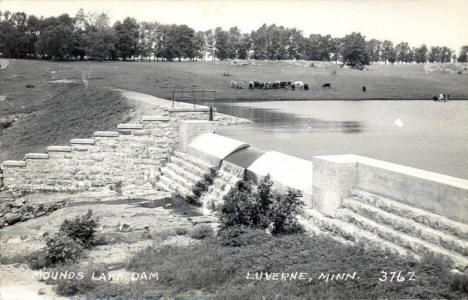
<point x="298" y="84"/>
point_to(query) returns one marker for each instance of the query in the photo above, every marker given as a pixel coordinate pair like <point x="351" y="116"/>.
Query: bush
<point x="81" y="229"/>
<point x="181" y="231"/>
<point x="262" y="208"/>
<point x="283" y="211"/>
<point x="68" y="244"/>
<point x="459" y="282"/>
<point x="37" y="260"/>
<point x="62" y="249"/>
<point x="201" y="231"/>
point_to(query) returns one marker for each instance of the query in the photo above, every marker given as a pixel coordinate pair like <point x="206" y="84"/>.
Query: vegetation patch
<point x="223" y="271"/>
<point x="68" y="244"/>
<point x="263" y="208"/>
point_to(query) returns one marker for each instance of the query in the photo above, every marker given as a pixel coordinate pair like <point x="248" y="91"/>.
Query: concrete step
<point x="353" y="233"/>
<point x="189" y="166"/>
<point x="401" y="239"/>
<point x="408" y="226"/>
<point x="193" y="160"/>
<point x="163" y="187"/>
<point x="175" y="186"/>
<point x="313" y="229"/>
<point x="192" y="177"/>
<point x="168" y="172"/>
<point x="432" y="220"/>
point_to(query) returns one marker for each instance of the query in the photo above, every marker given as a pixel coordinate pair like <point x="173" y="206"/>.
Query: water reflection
<point x="272" y="118"/>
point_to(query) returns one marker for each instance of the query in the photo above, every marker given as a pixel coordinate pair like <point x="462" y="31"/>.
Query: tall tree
<point x="402" y="52"/>
<point x="388" y="52"/>
<point x="354" y="50"/>
<point x="420" y="54"/>
<point x="222" y="46"/>
<point x="373" y="48"/>
<point x="463" y="56"/>
<point x="126" y="37"/>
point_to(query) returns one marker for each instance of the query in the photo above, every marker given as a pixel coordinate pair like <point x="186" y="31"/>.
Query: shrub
<point x="67" y="245"/>
<point x="459" y="282"/>
<point x="181" y="231"/>
<point x="37" y="260"/>
<point x="62" y="249"/>
<point x="81" y="229"/>
<point x="80" y="283"/>
<point x="283" y="211"/>
<point x="201" y="231"/>
<point x="262" y="208"/>
<point x="238" y="208"/>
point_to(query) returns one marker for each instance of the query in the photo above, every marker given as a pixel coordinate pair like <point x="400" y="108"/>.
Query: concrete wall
<point x="213" y="147"/>
<point x="437" y="193"/>
<point x="334" y="176"/>
<point x="286" y="171"/>
<point x="190" y="129"/>
<point x="132" y="155"/>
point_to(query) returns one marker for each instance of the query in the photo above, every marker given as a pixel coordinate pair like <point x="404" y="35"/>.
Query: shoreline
<point x="290" y="100"/>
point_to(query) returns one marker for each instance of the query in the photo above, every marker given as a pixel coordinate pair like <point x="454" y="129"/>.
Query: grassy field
<point x="48" y="113"/>
<point x="158" y="79"/>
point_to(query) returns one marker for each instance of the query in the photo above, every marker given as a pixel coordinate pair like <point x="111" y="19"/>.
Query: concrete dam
<point x="350" y="198"/>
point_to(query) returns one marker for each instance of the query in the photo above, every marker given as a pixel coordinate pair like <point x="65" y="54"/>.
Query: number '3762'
<point x="396" y="276"/>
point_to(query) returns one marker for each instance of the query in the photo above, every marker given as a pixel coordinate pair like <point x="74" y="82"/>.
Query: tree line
<point x="90" y="36"/>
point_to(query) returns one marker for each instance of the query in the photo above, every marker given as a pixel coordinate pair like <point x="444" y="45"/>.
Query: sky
<point x="434" y="22"/>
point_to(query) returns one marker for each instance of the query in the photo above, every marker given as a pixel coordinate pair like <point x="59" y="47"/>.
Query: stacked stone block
<point x="131" y="155"/>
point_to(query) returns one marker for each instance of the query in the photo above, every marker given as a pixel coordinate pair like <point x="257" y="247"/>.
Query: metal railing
<point x="193" y="96"/>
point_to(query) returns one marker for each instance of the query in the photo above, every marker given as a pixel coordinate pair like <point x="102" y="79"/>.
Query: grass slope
<point x="70" y="112"/>
<point x="210" y="270"/>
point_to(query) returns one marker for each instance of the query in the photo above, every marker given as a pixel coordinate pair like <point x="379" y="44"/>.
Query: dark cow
<point x="364" y="88"/>
<point x="326" y="85"/>
<point x="306" y="87"/>
<point x="251" y="85"/>
<point x="283" y="84"/>
<point x="293" y="87"/>
<point x="434" y="98"/>
<point x="256" y="84"/>
<point x="262" y="86"/>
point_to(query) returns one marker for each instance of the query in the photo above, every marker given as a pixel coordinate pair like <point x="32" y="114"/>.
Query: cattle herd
<point x="269" y="85"/>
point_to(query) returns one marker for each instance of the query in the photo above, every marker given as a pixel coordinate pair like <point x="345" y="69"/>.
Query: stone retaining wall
<point x="130" y="155"/>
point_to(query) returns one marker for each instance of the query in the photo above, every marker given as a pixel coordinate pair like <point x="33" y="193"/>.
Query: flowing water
<point x="423" y="134"/>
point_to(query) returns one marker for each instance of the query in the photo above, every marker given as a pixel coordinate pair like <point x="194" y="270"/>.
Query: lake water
<point x="424" y="134"/>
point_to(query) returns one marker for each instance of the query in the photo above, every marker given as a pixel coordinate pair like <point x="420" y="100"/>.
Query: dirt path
<point x="146" y="105"/>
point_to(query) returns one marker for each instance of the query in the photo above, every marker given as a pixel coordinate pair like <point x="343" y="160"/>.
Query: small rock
<point x="27" y="216"/>
<point x="39" y="214"/>
<point x="18" y="202"/>
<point x="12" y="218"/>
<point x="124" y="227"/>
